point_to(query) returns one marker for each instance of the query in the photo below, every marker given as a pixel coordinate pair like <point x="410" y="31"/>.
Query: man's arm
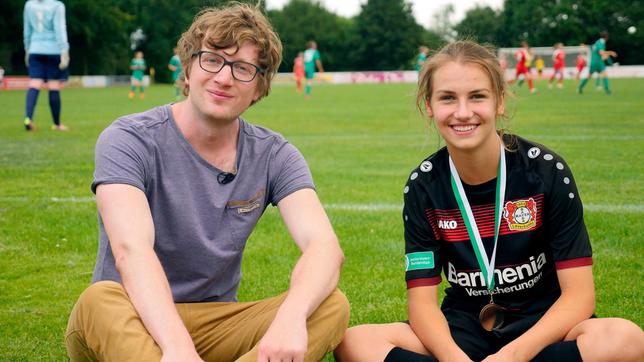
<point x="314" y="277"/>
<point x="429" y="324"/>
<point x="319" y="65"/>
<point x="128" y="222"/>
<point x="576" y="304"/>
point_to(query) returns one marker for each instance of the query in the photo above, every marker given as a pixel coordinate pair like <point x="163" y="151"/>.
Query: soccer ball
<point x="631" y="29"/>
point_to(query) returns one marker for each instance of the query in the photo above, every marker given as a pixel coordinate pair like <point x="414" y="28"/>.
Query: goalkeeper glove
<point x="64" y="60"/>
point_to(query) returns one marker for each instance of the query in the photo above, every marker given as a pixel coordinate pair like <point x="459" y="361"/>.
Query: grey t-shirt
<point x="201" y="226"/>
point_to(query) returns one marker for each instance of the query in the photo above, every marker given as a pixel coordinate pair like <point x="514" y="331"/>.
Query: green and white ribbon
<point x="486" y="264"/>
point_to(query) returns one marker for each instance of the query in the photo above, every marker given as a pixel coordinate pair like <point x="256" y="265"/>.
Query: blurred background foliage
<point x="383" y="36"/>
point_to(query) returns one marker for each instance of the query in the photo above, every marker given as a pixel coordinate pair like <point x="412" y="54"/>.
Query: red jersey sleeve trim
<point x="573" y="263"/>
<point x="424" y="282"/>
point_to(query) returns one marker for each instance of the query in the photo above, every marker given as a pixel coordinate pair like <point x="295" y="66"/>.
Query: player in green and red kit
<point x="175" y="66"/>
<point x="598" y="56"/>
<point x="137" y="65"/>
<point x="311" y="61"/>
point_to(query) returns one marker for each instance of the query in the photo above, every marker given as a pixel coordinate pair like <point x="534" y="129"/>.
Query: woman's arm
<point x="429" y="324"/>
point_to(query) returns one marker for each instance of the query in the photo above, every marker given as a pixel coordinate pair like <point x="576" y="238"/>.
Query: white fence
<point x="406" y="76"/>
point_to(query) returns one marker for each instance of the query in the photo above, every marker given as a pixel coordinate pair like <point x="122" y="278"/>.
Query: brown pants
<point x="104" y="326"/>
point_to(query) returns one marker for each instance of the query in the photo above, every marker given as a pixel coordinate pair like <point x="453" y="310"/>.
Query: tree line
<point x="383" y="36"/>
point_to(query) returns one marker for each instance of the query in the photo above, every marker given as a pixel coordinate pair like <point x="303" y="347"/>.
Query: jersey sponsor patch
<point x="419" y="260"/>
<point x="521" y="214"/>
<point x="508" y="279"/>
<point x="447" y="224"/>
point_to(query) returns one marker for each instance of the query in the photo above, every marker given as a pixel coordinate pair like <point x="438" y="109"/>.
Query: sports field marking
<point x="415" y="136"/>
<point x="616" y="137"/>
<point x="623" y="208"/>
<point x="608" y="208"/>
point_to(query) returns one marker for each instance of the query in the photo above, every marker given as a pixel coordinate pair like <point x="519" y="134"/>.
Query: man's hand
<point x="64" y="60"/>
<point x="285" y="340"/>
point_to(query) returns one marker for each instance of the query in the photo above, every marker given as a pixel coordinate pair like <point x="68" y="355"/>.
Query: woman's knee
<point x="362" y="342"/>
<point x="610" y="339"/>
<point x="54" y="85"/>
<point x="372" y="342"/>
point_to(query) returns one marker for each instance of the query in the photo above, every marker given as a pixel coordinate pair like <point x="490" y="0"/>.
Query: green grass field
<point x="361" y="142"/>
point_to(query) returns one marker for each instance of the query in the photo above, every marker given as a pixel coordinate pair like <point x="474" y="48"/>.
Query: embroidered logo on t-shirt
<point x="246" y="206"/>
<point x="521" y="214"/>
<point x="243" y="210"/>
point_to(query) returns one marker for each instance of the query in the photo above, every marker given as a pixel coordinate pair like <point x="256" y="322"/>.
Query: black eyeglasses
<point x="214" y="63"/>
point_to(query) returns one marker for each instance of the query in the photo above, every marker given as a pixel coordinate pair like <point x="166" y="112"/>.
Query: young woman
<point x="501" y="217"/>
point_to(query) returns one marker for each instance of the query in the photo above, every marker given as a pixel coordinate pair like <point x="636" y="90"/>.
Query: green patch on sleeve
<point x="419" y="260"/>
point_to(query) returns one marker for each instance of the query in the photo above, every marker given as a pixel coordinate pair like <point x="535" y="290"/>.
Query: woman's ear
<point x="500" y="109"/>
<point x="428" y="108"/>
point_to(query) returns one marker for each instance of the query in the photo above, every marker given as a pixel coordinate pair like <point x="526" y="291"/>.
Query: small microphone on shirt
<point x="225" y="177"/>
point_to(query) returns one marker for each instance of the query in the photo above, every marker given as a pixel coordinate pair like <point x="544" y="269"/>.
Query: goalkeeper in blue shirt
<point x="46" y="55"/>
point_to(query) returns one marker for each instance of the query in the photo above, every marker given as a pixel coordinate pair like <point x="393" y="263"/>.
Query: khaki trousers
<point x="104" y="326"/>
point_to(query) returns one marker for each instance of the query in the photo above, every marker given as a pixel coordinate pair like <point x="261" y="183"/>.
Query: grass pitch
<point x="361" y="142"/>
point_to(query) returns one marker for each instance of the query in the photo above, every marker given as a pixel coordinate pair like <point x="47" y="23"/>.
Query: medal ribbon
<point x="486" y="265"/>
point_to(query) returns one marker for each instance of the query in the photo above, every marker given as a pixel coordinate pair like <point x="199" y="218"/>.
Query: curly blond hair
<point x="233" y="26"/>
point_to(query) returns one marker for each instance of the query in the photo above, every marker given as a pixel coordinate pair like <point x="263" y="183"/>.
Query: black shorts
<point x="478" y="343"/>
<point x="45" y="67"/>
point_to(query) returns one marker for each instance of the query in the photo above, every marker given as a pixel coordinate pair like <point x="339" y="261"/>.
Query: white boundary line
<point x="623" y="208"/>
<point x="424" y="137"/>
<point x="608" y="208"/>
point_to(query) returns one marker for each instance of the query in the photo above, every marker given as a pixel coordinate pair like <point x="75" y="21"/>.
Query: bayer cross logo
<point x="522" y="215"/>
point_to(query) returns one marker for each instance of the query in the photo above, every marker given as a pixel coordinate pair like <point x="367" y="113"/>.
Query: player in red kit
<point x="581" y="64"/>
<point x="559" y="63"/>
<point x="522" y="66"/>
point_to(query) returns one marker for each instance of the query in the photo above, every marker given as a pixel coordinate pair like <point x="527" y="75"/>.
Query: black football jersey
<point x="542" y="230"/>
